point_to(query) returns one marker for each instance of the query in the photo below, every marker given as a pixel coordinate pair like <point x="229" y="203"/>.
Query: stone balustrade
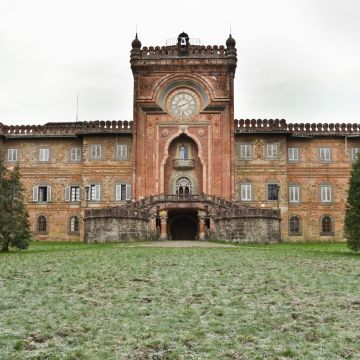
<point x="183" y="164"/>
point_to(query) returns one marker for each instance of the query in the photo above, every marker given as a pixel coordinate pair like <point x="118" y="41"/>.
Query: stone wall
<point x="248" y="226"/>
<point x="115" y="225"/>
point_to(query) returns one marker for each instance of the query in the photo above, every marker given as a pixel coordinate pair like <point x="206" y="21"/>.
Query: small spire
<point x="230" y="42"/>
<point x="136" y="43"/>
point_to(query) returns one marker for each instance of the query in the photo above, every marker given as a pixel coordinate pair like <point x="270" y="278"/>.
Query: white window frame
<point x="36" y="193"/>
<point x="119" y="191"/>
<point x="72" y="193"/>
<point x="326" y="194"/>
<point x="293" y="154"/>
<point x="95" y="151"/>
<point x="94" y="193"/>
<point x="325" y="154"/>
<point x="245" y="192"/>
<point x="294" y="194"/>
<point x="272" y="151"/>
<point x="122" y="151"/>
<point x="75" y="154"/>
<point x="245" y="151"/>
<point x="44" y="154"/>
<point x="13" y="155"/>
<point x="354" y="152"/>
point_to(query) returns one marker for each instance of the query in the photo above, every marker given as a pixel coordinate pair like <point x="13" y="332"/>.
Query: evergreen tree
<point x="352" y="214"/>
<point x="14" y="223"/>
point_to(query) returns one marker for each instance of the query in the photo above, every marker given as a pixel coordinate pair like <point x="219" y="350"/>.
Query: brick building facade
<point x="184" y="168"/>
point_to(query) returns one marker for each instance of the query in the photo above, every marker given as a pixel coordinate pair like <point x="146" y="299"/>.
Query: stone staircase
<point x="216" y="202"/>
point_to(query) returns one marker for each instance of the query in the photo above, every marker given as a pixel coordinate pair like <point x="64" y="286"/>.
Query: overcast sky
<point x="297" y="59"/>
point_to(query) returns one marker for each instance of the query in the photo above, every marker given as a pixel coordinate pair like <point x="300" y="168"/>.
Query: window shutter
<point x="97" y="192"/>
<point x="242" y="192"/>
<point x="275" y="151"/>
<point x="35" y="194"/>
<point x="118" y="192"/>
<point x="128" y="192"/>
<point x="67" y="193"/>
<point x="48" y="194"/>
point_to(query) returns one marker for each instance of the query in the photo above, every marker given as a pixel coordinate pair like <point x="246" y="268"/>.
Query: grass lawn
<point x="106" y="301"/>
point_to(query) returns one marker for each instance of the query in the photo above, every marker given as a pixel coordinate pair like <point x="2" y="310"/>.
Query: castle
<point x="184" y="168"/>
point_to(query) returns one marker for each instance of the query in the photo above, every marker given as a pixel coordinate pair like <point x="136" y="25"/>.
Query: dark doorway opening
<point x="183" y="224"/>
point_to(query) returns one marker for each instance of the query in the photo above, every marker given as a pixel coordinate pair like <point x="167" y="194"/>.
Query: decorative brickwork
<point x="232" y="179"/>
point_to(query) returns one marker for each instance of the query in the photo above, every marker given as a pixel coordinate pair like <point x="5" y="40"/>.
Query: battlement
<point x="67" y="129"/>
<point x="183" y="47"/>
<point x="242" y="126"/>
<point x="280" y="126"/>
<point x="194" y="51"/>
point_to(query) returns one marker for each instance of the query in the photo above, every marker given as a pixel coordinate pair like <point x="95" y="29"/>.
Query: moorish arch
<point x="183" y="186"/>
<point x="174" y="165"/>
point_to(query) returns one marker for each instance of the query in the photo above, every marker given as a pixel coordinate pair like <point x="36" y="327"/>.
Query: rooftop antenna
<point x="77" y="106"/>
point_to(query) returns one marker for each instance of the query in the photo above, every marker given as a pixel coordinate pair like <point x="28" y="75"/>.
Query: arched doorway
<point x="183" y="224"/>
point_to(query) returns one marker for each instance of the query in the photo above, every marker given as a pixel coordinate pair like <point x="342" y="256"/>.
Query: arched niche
<point x="175" y="167"/>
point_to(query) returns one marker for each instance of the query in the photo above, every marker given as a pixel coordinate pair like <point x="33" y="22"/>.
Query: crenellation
<point x="66" y="129"/>
<point x="270" y="125"/>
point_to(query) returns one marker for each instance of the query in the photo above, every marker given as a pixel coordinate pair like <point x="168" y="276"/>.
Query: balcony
<point x="183" y="164"/>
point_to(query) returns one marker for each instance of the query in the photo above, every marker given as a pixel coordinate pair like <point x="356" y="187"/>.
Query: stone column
<point x="202" y="227"/>
<point x="163" y="227"/>
<point x="153" y="224"/>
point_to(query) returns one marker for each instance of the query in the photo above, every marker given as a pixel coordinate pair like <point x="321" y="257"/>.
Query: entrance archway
<point x="183" y="224"/>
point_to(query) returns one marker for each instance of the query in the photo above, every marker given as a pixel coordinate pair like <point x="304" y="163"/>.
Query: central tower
<point x="183" y="118"/>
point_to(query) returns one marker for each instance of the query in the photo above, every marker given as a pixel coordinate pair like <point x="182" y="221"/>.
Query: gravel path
<point x="181" y="244"/>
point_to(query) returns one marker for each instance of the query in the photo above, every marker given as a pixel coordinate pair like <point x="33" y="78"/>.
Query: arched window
<point x="41" y="225"/>
<point x="183" y="186"/>
<point x="74" y="225"/>
<point x="294" y="225"/>
<point x="326" y="225"/>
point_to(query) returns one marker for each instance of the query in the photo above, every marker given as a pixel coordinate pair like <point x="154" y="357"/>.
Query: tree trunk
<point x="5" y="244"/>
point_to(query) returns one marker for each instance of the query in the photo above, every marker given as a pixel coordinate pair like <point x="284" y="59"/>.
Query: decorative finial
<point x="230" y="42"/>
<point x="136" y="43"/>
